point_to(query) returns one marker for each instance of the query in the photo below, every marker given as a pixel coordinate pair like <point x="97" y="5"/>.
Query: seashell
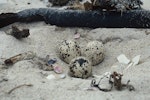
<point x="62" y="76"/>
<point x="136" y="60"/>
<point x="57" y="69"/>
<point x="76" y="36"/>
<point x="123" y="59"/>
<point x="50" y="77"/>
<point x="56" y="76"/>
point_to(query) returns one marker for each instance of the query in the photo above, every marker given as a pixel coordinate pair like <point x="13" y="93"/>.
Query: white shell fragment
<point x="62" y="76"/>
<point x="56" y="76"/>
<point x="76" y="36"/>
<point x="50" y="77"/>
<point x="123" y="59"/>
<point x="68" y="50"/>
<point x="94" y="51"/>
<point x="80" y="67"/>
<point x="136" y="60"/>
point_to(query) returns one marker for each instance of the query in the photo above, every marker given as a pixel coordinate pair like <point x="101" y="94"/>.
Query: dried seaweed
<point x="108" y="5"/>
<point x="19" y="34"/>
<point x="115" y="80"/>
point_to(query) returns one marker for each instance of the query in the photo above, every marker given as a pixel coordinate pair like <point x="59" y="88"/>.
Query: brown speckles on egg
<point x="94" y="51"/>
<point x="80" y="67"/>
<point x="67" y="50"/>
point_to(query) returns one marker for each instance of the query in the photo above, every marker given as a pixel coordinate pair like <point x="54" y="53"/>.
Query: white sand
<point x="43" y="40"/>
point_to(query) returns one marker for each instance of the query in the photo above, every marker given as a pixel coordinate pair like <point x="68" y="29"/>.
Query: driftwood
<point x="23" y="56"/>
<point x="79" y="18"/>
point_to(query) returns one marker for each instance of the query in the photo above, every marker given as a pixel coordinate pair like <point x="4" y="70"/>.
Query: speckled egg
<point x="67" y="50"/>
<point x="94" y="51"/>
<point x="80" y="67"/>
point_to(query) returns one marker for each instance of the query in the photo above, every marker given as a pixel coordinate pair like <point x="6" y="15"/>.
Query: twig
<point x="23" y="56"/>
<point x="125" y="5"/>
<point x="19" y="87"/>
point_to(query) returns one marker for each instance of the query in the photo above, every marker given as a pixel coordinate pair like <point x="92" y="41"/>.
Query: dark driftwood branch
<point x="76" y="18"/>
<point x="7" y="18"/>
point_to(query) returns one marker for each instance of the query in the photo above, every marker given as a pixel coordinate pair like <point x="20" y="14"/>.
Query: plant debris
<point x="46" y="63"/>
<point x="3" y="80"/>
<point x="58" y="2"/>
<point x="19" y="34"/>
<point x="78" y="6"/>
<point x="115" y="80"/>
<point x="23" y="56"/>
<point x="90" y="89"/>
<point x="29" y="85"/>
<point x="108" y="5"/>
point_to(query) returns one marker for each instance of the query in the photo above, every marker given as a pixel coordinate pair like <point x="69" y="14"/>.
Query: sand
<point x="43" y="40"/>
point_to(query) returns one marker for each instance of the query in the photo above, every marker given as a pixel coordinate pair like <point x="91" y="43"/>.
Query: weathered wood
<point x="78" y="18"/>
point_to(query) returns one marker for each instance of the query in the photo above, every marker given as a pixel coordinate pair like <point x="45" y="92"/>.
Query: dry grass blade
<point x="19" y="87"/>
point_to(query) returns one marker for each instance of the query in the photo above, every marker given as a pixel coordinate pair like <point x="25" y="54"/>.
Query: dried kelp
<point x="115" y="80"/>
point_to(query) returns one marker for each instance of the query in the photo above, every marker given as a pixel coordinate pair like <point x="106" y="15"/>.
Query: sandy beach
<point x="43" y="40"/>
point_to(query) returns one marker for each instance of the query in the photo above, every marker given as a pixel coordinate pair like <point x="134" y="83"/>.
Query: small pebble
<point x="62" y="76"/>
<point x="52" y="61"/>
<point x="57" y="69"/>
